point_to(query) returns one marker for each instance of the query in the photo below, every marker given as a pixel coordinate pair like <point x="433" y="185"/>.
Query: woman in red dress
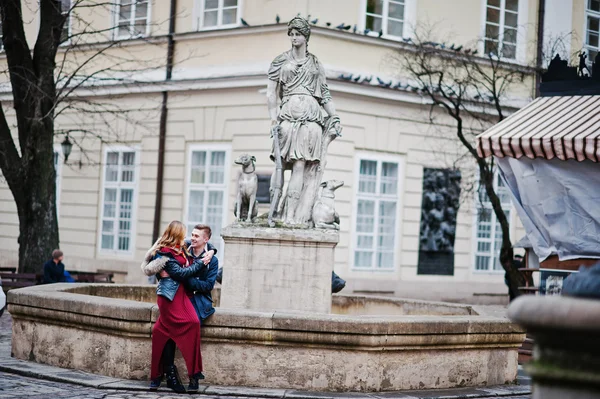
<point x="177" y="318"/>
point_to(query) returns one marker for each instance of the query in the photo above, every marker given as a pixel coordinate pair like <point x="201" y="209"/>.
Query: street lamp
<point x="67" y="146"/>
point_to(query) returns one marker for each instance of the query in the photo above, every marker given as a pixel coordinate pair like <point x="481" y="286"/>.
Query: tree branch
<point x="20" y="64"/>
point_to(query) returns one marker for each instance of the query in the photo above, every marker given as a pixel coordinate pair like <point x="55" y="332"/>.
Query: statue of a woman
<point x="303" y="132"/>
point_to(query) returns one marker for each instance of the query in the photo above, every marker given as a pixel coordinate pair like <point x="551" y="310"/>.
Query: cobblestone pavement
<point x="5" y="328"/>
<point x="16" y="386"/>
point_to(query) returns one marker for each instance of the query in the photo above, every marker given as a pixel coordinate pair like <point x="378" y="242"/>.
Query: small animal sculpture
<point x="324" y="215"/>
<point x="246" y="206"/>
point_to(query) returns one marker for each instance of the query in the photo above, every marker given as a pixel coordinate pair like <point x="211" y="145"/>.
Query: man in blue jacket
<point x="204" y="282"/>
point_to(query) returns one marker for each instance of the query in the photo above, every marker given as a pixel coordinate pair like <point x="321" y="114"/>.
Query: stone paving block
<point x="86" y="379"/>
<point x="127" y="385"/>
<point x="441" y="393"/>
<point x="322" y="395"/>
<point x="507" y="390"/>
<point x="391" y="395"/>
<point x="308" y="395"/>
<point x="244" y="391"/>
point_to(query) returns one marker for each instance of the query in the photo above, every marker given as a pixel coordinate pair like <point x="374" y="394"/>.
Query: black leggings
<point x="168" y="355"/>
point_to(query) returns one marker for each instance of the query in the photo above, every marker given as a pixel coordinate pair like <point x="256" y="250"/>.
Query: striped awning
<point x="563" y="127"/>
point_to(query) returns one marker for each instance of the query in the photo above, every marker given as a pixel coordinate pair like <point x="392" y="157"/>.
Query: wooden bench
<point x="91" y="277"/>
<point x="528" y="272"/>
<point x="18" y="280"/>
<point x="529" y="290"/>
<point x="8" y="269"/>
<point x="11" y="279"/>
<point x="529" y="269"/>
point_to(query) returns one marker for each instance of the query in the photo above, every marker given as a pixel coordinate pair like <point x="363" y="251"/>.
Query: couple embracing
<point x="187" y="271"/>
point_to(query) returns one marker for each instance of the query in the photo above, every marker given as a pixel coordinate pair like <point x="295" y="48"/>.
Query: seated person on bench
<point x="54" y="269"/>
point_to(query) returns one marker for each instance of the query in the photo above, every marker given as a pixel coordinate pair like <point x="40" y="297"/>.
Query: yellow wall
<point x="448" y="20"/>
<point x="579" y="24"/>
<point x="238" y="117"/>
<point x="375" y="120"/>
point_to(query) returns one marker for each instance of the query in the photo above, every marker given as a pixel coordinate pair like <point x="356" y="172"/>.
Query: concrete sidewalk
<point x="50" y="373"/>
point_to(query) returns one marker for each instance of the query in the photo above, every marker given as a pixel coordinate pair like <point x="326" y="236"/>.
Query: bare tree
<point x="473" y="91"/>
<point x="45" y="79"/>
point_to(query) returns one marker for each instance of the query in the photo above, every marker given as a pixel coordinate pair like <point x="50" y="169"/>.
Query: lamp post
<point x="67" y="146"/>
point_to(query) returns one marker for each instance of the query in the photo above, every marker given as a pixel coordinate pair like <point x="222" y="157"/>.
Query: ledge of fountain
<point x="262" y="232"/>
<point x="106" y="329"/>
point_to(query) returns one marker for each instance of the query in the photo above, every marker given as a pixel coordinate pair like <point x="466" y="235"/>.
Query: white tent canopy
<point x="549" y="127"/>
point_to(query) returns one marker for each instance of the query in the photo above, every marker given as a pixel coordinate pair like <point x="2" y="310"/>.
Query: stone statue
<point x="439" y="207"/>
<point x="301" y="133"/>
<point x="583" y="65"/>
<point x="246" y="206"/>
<point x="324" y="215"/>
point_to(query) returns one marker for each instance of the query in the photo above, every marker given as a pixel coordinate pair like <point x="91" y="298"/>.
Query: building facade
<point x="388" y="154"/>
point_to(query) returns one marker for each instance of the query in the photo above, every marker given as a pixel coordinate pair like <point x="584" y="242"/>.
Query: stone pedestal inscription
<point x="278" y="269"/>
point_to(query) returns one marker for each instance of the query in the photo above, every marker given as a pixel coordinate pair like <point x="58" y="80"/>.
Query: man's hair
<point x="204" y="227"/>
<point x="57" y="253"/>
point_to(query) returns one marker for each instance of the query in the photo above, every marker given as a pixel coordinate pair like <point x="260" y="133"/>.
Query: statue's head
<point x="301" y="25"/>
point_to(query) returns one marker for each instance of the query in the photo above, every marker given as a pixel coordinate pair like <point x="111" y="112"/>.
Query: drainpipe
<point x="162" y="132"/>
<point x="540" y="46"/>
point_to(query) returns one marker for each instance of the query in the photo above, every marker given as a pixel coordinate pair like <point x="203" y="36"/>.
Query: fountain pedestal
<point x="278" y="268"/>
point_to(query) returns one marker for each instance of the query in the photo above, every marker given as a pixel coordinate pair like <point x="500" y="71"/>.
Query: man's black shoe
<point x="193" y="385"/>
<point x="173" y="380"/>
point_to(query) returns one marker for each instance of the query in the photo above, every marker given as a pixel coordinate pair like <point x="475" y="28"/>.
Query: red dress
<point x="178" y="321"/>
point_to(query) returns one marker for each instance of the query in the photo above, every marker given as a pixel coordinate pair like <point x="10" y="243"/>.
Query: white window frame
<point x="69" y="25"/>
<point x="227" y="177"/>
<point x="199" y="16"/>
<point x="115" y="24"/>
<point x="522" y="18"/>
<point x="379" y="158"/>
<point x="594" y="14"/>
<point x="134" y="202"/>
<point x="492" y="254"/>
<point x="58" y="169"/>
<point x="410" y="17"/>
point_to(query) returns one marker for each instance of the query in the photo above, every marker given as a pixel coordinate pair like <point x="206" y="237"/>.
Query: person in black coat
<point x="54" y="269"/>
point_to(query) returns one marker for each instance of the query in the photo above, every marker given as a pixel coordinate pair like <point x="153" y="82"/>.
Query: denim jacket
<point x="167" y="287"/>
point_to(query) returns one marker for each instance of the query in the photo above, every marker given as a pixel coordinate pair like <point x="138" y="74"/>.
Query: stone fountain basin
<point x="368" y="344"/>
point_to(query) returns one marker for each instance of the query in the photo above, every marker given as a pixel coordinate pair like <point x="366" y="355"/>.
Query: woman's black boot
<point x="155" y="383"/>
<point x="173" y="380"/>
